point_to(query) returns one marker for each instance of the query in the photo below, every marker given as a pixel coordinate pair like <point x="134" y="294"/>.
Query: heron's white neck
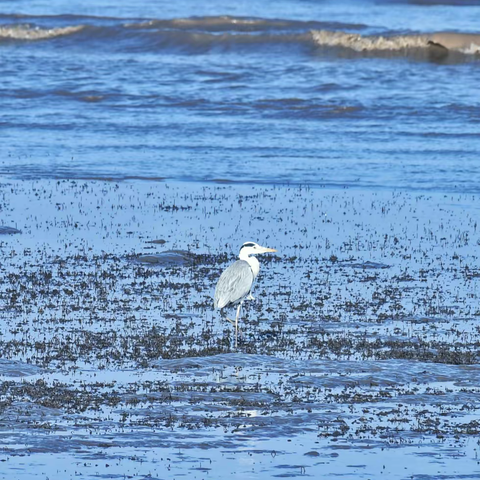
<point x="252" y="261"/>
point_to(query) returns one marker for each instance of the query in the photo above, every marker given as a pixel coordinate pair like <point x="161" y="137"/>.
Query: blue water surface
<point x="240" y="92"/>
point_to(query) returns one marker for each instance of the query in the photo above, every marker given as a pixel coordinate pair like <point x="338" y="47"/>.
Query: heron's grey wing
<point x="234" y="284"/>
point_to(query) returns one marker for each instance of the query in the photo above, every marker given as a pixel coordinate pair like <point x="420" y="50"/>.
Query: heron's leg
<point x="231" y="321"/>
<point x="250" y="296"/>
<point x="236" y="324"/>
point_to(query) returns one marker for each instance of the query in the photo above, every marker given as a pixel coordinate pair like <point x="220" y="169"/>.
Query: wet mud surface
<point x="359" y="356"/>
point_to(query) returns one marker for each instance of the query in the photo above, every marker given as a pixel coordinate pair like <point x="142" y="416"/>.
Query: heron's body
<point x="236" y="282"/>
<point x="234" y="285"/>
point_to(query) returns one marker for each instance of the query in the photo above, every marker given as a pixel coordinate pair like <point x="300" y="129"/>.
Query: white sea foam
<point x="26" y="32"/>
<point x="359" y="43"/>
<point x="460" y="42"/>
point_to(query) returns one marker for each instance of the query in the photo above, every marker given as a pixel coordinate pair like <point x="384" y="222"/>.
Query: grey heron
<point x="236" y="282"/>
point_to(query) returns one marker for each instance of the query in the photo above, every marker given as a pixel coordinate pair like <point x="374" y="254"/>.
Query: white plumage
<point x="236" y="282"/>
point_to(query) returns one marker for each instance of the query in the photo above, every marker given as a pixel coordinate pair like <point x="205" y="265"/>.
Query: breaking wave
<point x="455" y="42"/>
<point x="360" y="43"/>
<point x="195" y="34"/>
<point x="27" y="32"/>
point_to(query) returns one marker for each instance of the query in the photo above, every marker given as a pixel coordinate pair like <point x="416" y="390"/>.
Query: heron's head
<point x="252" y="248"/>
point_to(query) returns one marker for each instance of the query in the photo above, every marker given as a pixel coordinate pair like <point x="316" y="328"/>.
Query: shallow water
<point x="358" y="357"/>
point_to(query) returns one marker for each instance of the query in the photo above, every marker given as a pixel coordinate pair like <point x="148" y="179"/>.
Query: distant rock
<point x="159" y="242"/>
<point x="169" y="258"/>
<point x="14" y="369"/>
<point x="366" y="265"/>
<point x="8" y="230"/>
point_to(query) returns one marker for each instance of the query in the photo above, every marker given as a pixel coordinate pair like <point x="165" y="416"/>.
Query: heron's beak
<point x="266" y="250"/>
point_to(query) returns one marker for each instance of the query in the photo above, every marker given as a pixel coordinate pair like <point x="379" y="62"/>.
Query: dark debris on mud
<point x="100" y="293"/>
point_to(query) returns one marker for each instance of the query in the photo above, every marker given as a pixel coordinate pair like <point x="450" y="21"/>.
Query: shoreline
<point x="246" y="184"/>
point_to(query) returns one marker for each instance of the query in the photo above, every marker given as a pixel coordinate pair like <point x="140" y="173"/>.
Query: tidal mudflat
<point x="358" y="358"/>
